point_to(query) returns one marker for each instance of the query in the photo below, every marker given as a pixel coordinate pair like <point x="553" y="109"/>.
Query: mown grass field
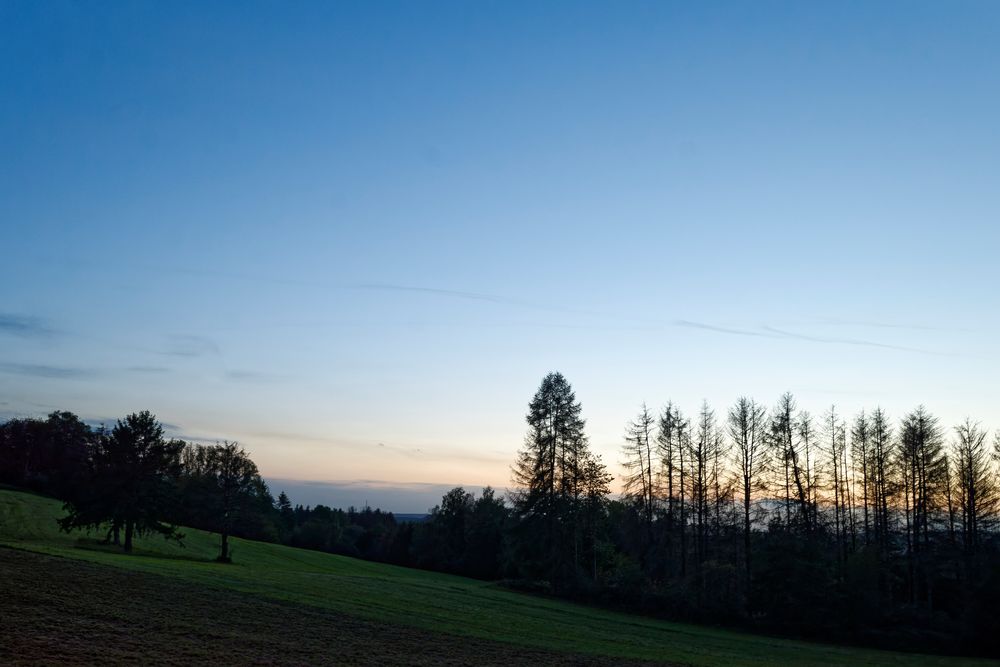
<point x="58" y="611"/>
<point x="391" y="614"/>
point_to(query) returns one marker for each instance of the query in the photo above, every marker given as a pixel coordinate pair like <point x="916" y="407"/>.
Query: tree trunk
<point x="129" y="532"/>
<point x="746" y="539"/>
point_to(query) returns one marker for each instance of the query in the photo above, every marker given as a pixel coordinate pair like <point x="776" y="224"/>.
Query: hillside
<point x="280" y="604"/>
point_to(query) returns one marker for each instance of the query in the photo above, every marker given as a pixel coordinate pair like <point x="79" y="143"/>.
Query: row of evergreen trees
<point x="910" y="493"/>
<point x="863" y="529"/>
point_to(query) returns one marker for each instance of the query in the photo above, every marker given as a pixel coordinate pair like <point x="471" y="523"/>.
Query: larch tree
<point x="835" y="442"/>
<point x="860" y="454"/>
<point x="782" y="429"/>
<point x="747" y="423"/>
<point x="976" y="484"/>
<point x="881" y="472"/>
<point x="804" y="469"/>
<point x="637" y="483"/>
<point x="924" y="467"/>
<point x="669" y="451"/>
<point x="702" y="449"/>
<point x="683" y="483"/>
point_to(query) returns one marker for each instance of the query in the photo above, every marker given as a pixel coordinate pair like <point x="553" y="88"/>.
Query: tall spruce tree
<point x="548" y="477"/>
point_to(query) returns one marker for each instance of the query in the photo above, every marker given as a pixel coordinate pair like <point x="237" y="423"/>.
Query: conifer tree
<point x="637" y="484"/>
<point x="136" y="469"/>
<point x="548" y="476"/>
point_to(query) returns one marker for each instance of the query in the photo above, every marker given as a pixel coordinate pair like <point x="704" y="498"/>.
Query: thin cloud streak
<point x="148" y="370"/>
<point x="427" y="453"/>
<point x="772" y="332"/>
<point x="191" y="346"/>
<point x="886" y="325"/>
<point x="458" y="294"/>
<point x="413" y="452"/>
<point x="49" y="372"/>
<point x="726" y="330"/>
<point x="24" y="326"/>
<point x="365" y="286"/>
<point x="434" y="454"/>
<point x="852" y="341"/>
<point x="251" y="377"/>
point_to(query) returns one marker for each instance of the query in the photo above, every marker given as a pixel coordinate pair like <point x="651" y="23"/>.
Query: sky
<point x="355" y="236"/>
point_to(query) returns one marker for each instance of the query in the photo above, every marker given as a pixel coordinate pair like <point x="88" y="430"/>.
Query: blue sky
<point x="355" y="236"/>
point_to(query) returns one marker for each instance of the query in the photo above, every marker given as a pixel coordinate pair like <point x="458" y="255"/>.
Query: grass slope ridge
<point x="405" y="598"/>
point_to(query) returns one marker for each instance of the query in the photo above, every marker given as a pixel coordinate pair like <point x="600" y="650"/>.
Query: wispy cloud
<point x="725" y="330"/>
<point x="148" y="370"/>
<point x="362" y="285"/>
<point x="405" y="451"/>
<point x="766" y="331"/>
<point x="24" y="326"/>
<point x="190" y="346"/>
<point x="455" y="294"/>
<point x="251" y="376"/>
<point x="46" y="371"/>
<point x="835" y="321"/>
<point x="434" y="453"/>
<point x="429" y="453"/>
<point x="849" y="341"/>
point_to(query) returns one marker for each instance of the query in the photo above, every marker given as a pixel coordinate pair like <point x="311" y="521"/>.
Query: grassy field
<point x="57" y="612"/>
<point x="384" y="605"/>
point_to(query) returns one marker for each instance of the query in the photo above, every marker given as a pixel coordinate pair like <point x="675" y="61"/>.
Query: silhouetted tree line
<point x="859" y="529"/>
<point x="367" y="533"/>
<point x="866" y="530"/>
<point x="131" y="480"/>
<point x="862" y="529"/>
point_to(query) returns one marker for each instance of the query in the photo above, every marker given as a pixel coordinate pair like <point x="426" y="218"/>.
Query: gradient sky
<point x="355" y="236"/>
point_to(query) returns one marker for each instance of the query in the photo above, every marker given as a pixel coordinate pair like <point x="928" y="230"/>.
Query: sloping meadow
<point x="382" y="600"/>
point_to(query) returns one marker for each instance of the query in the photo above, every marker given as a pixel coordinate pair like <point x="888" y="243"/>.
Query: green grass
<point x="57" y="611"/>
<point x="404" y="598"/>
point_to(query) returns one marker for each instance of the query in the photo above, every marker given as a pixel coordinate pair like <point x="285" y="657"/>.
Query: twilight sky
<point x="355" y="236"/>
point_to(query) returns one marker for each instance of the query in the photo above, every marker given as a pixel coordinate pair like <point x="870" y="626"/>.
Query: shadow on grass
<point x="94" y="544"/>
